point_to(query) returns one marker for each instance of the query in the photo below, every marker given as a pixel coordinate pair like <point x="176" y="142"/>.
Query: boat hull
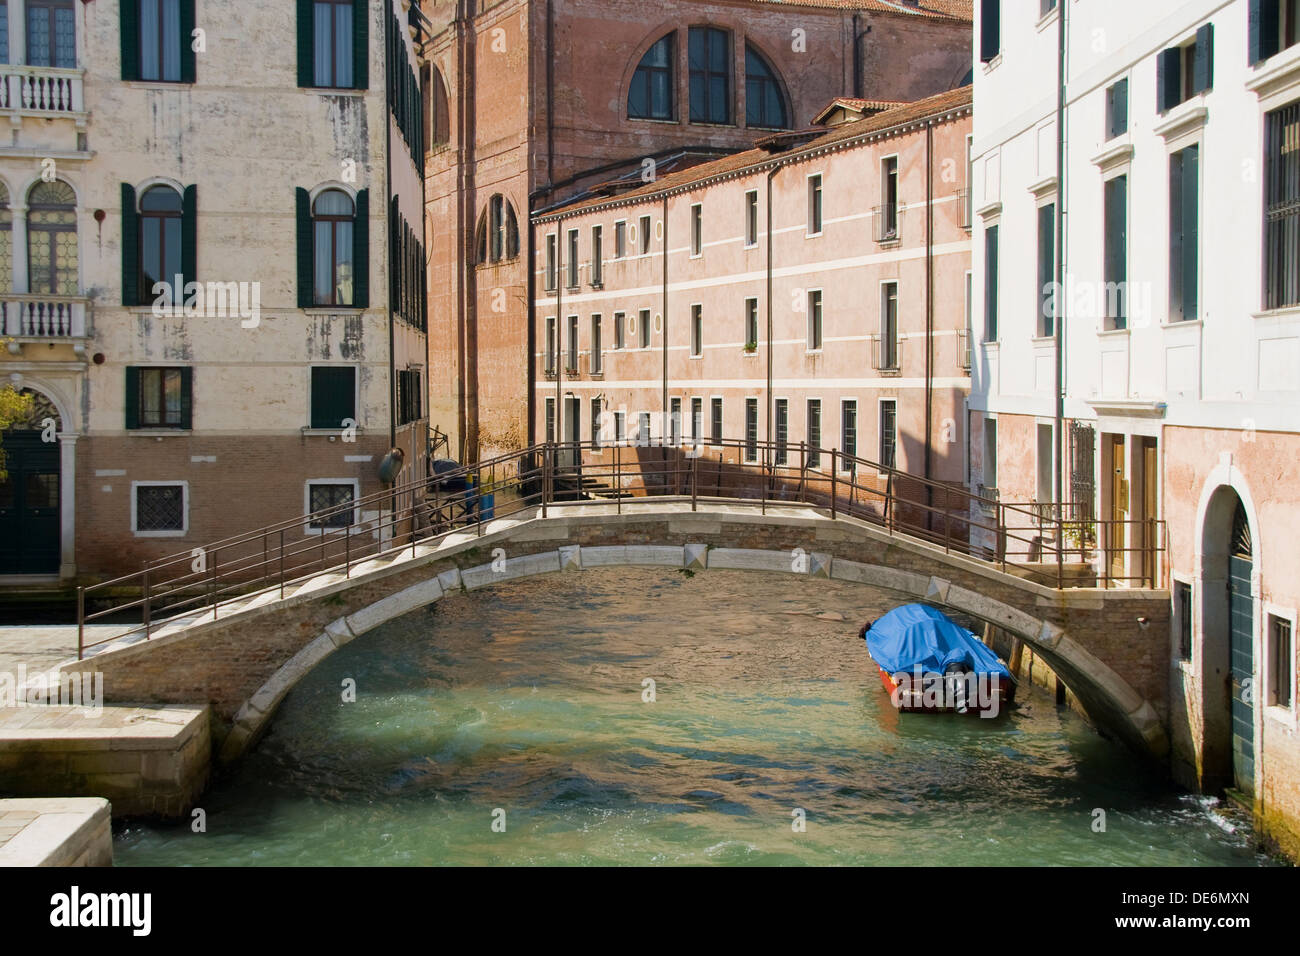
<point x="912" y="699"/>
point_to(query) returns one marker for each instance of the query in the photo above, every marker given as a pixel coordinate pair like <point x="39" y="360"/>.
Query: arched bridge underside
<point x="1109" y="646"/>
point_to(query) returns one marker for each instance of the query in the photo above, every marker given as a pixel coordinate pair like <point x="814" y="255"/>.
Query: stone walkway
<point x="41" y="646"/>
<point x="56" y="831"/>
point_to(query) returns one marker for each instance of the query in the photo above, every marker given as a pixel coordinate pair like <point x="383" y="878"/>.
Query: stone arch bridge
<point x="1110" y="646"/>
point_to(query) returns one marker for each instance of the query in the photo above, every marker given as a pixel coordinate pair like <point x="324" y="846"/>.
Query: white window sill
<point x="160" y="432"/>
<point x="159" y="534"/>
<point x="332" y="309"/>
<point x="1284" y="716"/>
<point x="310" y="432"/>
<point x="1189" y="116"/>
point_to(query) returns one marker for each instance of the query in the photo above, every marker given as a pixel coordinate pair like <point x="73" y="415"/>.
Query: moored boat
<point x="929" y="663"/>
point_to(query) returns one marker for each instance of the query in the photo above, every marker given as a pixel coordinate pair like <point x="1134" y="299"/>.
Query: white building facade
<point x="1179" y="334"/>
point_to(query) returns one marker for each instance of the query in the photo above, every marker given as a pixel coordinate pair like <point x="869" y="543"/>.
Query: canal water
<point x="514" y="725"/>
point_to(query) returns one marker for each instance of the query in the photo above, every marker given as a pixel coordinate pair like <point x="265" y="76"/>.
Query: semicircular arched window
<point x="437" y="125"/>
<point x="651" y="93"/>
<point x="497" y="236"/>
<point x="52" y="239"/>
<point x="333" y="218"/>
<point x="764" y="102"/>
<point x="160" y="241"/>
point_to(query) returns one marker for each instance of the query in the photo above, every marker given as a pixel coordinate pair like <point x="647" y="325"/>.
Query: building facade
<point x="811" y="291"/>
<point x="1179" y="321"/>
<point x="202" y="203"/>
<point x="533" y="102"/>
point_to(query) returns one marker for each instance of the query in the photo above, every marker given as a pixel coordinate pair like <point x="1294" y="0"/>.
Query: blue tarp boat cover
<point x="915" y="635"/>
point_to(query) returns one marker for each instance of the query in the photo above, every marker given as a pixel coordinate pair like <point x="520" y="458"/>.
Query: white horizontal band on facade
<point x="789" y="384"/>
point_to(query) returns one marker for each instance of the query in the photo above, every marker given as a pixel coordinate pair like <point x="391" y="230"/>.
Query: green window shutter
<point x="361" y="44"/>
<point x="306" y="65"/>
<point x="132" y="401"/>
<point x="361" y="251"/>
<point x="190" y="235"/>
<point x="187" y="40"/>
<point x="392" y="253"/>
<point x="305" y="297"/>
<point x="187" y="399"/>
<point x="333" y="395"/>
<point x="1203" y="60"/>
<point x="1262" y="40"/>
<point x="129" y="25"/>
<point x="130" y="246"/>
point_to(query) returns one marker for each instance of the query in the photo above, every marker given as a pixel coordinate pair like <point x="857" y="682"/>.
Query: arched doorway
<point x="29" y="494"/>
<point x="1228" y="636"/>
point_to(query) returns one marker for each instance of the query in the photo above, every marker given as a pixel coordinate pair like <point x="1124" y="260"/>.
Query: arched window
<point x="160" y="242"/>
<point x="651" y="93"/>
<point x="764" y="104"/>
<point x="437" y="128"/>
<point x="52" y="239"/>
<point x="6" y="242"/>
<point x="709" y="59"/>
<point x="497" y="237"/>
<point x="332" y="217"/>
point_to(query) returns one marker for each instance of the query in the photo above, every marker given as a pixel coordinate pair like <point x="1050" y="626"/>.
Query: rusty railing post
<point x="835" y="470"/>
<point x="546" y="475"/>
<point x="147" y="603"/>
<point x="695" y="477"/>
<point x="81" y="622"/>
<point x="281" y="564"/>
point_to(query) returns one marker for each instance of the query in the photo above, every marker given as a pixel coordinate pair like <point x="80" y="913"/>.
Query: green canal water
<point x="522" y="705"/>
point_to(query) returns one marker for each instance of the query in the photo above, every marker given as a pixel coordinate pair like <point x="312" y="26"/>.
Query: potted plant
<point x="751" y="347"/>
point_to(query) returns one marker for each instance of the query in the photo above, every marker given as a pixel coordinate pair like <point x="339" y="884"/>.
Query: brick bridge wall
<point x="227" y="662"/>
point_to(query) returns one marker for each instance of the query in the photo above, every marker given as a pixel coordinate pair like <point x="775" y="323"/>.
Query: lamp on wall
<point x="390" y="466"/>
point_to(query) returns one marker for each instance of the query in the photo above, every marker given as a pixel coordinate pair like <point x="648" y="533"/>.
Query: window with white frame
<point x="328" y="504"/>
<point x="159" y="508"/>
<point x="815" y="204"/>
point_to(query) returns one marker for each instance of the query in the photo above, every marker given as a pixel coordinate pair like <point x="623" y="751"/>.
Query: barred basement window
<point x="715" y="421"/>
<point x="814" y="432"/>
<point x="751" y="429"/>
<point x="697" y="420"/>
<point x="159" y="508"/>
<point x="782" y="430"/>
<point x="1183" y="618"/>
<point x="848" y="433"/>
<point x="1280" y="657"/>
<point x="888" y="432"/>
<point x="327" y="505"/>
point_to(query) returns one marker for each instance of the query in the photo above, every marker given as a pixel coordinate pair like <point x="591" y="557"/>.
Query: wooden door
<point x="1118" y="505"/>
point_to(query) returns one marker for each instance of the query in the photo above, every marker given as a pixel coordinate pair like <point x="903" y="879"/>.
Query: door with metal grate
<point x="29" y="505"/>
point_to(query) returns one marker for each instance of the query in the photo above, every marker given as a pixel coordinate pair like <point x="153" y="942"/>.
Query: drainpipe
<point x="929" y="316"/>
<point x="663" y="398"/>
<point x="560" y="245"/>
<point x="1059" y="298"/>
<point x="857" y="56"/>
<point x="771" y="174"/>
<point x="388" y="266"/>
<point x="531" y="292"/>
<point x="550" y="98"/>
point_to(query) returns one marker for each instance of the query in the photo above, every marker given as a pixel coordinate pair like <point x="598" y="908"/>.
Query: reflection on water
<point x="527" y="698"/>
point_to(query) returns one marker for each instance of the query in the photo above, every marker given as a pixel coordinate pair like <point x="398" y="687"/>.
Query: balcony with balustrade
<point x="42" y="91"/>
<point x="28" y="319"/>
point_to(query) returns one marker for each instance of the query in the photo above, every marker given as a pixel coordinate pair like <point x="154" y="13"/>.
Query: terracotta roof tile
<point x="938" y="9"/>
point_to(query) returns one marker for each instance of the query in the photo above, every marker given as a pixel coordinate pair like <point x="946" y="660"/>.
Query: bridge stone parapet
<point x="1110" y="647"/>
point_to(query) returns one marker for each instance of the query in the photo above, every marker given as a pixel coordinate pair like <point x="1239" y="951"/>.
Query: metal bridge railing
<point x="1041" y="543"/>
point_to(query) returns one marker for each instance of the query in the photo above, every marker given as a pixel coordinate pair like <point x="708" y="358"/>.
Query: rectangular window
<point x="1115" y="251"/>
<point x="4" y="33"/>
<point x="1184" y="230"/>
<point x="1046" y="456"/>
<point x="410" y="396"/>
<point x="715" y="421"/>
<point x="674" y="422"/>
<point x="551" y="273"/>
<point x="550" y="419"/>
<point x="597" y="266"/>
<point x="645" y="235"/>
<point x="697" y="331"/>
<point x="572" y="262"/>
<point x="1046" y="269"/>
<point x="1282" y="207"/>
<point x="159" y="509"/>
<point x="643" y="428"/>
<point x="814" y="204"/>
<point x="888" y="433"/>
<point x="751" y="429"/>
<point x="328" y="504"/>
<point x="991" y="454"/>
<point x="697" y="230"/>
<point x="620" y="426"/>
<point x="1183" y="618"/>
<point x="1117" y="109"/>
<point x="160" y="40"/>
<point x="1185" y="71"/>
<point x="782" y="425"/>
<point x="814" y="432"/>
<point x="990" y="29"/>
<point x="643" y="328"/>
<point x="51" y="33"/>
<point x="1272" y="28"/>
<point x="162" y="398"/>
<point x="552" y="349"/>
<point x="751" y="218"/>
<point x="709" y="63"/>
<point x="596" y="419"/>
<point x="1280" y="657"/>
<point x="887" y="212"/>
<point x="597" y="365"/>
<point x="751" y="323"/>
<point x="571" y="356"/>
<point x="332" y="43"/>
<point x="815" y="320"/>
<point x="889" y="325"/>
<point x="848" y="433"/>
<point x="333" y="396"/>
<point x="620" y="239"/>
<point x="697" y="420"/>
<point x="618" y="330"/>
<point x="991" y="284"/>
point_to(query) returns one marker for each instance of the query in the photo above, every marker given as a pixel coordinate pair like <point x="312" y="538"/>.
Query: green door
<point x="29" y="505"/>
<point x="1241" y="623"/>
